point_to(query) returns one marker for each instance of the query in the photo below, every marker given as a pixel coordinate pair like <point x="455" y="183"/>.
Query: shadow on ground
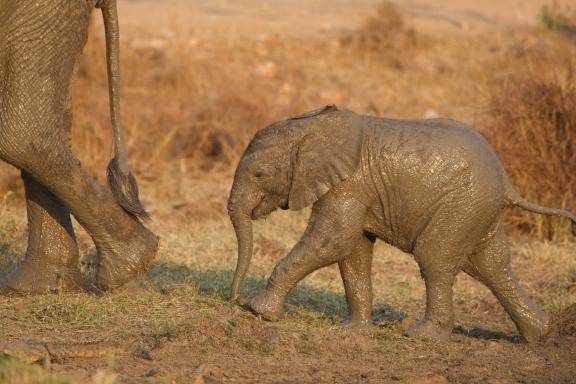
<point x="484" y="334"/>
<point x="8" y="260"/>
<point x="329" y="304"/>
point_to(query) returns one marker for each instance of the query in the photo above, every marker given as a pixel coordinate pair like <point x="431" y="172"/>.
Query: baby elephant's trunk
<point x="121" y="181"/>
<point x="243" y="227"/>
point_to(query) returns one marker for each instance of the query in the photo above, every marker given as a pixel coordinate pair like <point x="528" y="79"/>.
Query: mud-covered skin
<point x="40" y="42"/>
<point x="433" y="188"/>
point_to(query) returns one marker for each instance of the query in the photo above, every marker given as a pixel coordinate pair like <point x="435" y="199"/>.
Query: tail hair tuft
<point x="125" y="190"/>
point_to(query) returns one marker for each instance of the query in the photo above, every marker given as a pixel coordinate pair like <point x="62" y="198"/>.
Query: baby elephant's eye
<point x="259" y="174"/>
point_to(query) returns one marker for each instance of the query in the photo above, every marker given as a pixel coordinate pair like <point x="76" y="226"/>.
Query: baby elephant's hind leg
<point x="491" y="266"/>
<point x="51" y="261"/>
<point x="439" y="255"/>
<point x="356" y="274"/>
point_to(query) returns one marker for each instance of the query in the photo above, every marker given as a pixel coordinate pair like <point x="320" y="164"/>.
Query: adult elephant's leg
<point x="51" y="261"/>
<point x="491" y="266"/>
<point x="356" y="272"/>
<point x="125" y="247"/>
<point x="334" y="229"/>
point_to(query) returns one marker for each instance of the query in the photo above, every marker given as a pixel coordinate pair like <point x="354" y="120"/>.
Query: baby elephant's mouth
<point x="269" y="205"/>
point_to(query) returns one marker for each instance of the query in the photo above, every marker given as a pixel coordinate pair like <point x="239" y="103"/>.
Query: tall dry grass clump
<point x="532" y="126"/>
<point x="559" y="17"/>
<point x="384" y="35"/>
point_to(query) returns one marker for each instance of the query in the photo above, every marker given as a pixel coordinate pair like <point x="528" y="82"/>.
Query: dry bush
<point x="561" y="18"/>
<point x="194" y="100"/>
<point x="532" y="126"/>
<point x="384" y="35"/>
<point x="173" y="107"/>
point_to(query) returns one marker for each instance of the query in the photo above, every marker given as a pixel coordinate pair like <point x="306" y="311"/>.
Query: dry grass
<point x="531" y="123"/>
<point x="181" y="319"/>
<point x="199" y="103"/>
<point x="384" y="36"/>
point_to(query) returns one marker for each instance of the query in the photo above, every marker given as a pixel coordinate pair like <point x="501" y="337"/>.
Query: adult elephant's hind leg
<point x="51" y="261"/>
<point x="125" y="246"/>
<point x="491" y="266"/>
<point x="356" y="272"/>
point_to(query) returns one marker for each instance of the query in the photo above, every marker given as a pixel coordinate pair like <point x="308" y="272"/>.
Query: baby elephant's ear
<point x="328" y="154"/>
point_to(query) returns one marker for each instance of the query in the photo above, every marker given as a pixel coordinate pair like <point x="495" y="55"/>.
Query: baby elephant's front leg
<point x="333" y="231"/>
<point x="356" y="272"/>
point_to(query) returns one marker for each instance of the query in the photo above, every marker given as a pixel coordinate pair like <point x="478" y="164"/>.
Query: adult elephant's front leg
<point x="335" y="227"/>
<point x="51" y="261"/>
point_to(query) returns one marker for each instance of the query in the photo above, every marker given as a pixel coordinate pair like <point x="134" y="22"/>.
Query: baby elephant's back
<point x="430" y="160"/>
<point x="466" y="148"/>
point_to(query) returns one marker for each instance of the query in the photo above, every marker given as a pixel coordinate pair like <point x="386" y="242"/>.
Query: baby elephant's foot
<point x="357" y="323"/>
<point x="534" y="328"/>
<point x="269" y="306"/>
<point x="426" y="329"/>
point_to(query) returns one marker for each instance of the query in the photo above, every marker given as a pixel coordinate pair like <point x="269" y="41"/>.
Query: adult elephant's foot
<point x="125" y="260"/>
<point x="34" y="277"/>
<point x="268" y="305"/>
<point x="426" y="329"/>
<point x="51" y="261"/>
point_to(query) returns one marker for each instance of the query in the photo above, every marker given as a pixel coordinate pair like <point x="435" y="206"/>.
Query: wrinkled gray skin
<point x="433" y="188"/>
<point x="40" y="42"/>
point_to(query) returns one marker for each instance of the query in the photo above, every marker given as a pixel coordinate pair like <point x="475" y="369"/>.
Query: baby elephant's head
<point x="290" y="165"/>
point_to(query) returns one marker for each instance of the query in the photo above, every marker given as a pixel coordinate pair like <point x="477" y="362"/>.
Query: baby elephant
<point x="433" y="188"/>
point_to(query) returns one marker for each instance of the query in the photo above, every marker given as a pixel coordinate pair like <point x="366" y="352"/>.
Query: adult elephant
<point x="433" y="188"/>
<point x="40" y="42"/>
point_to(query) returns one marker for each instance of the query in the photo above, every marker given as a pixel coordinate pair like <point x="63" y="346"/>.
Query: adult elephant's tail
<point x="121" y="181"/>
<point x="513" y="199"/>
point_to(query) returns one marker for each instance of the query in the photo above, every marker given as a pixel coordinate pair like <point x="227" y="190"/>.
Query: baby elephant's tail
<point x="513" y="199"/>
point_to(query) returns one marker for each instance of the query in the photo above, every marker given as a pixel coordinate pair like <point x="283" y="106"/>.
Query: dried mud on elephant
<point x="199" y="78"/>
